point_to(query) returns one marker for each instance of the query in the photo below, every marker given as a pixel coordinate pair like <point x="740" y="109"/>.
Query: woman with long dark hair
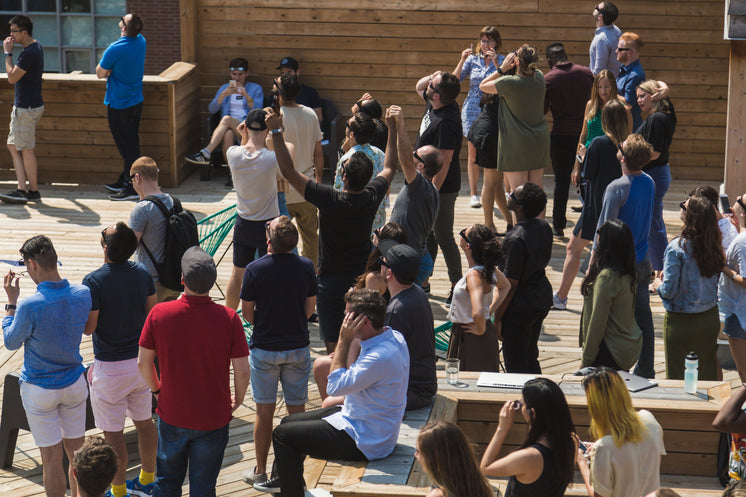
<point x="476" y="64"/>
<point x="625" y="459"/>
<point x="476" y="297"/>
<point x="544" y="465"/>
<point x="692" y="265"/>
<point x="372" y="278"/>
<point x="609" y="334"/>
<point x="446" y="455"/>
<point x="601" y="167"/>
<point x="657" y="129"/>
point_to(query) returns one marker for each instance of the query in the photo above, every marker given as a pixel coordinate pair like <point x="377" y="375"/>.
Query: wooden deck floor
<point x="73" y="216"/>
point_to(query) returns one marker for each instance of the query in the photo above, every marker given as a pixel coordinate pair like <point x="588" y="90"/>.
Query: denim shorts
<point x="289" y="367"/>
<point x="732" y="327"/>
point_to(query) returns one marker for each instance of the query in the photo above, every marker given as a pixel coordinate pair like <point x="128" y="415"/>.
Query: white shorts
<point x="118" y="390"/>
<point x="55" y="414"/>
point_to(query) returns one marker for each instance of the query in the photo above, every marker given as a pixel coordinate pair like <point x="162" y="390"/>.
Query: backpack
<point x="181" y="233"/>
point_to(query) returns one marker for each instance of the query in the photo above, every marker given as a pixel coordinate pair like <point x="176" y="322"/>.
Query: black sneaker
<point x="197" y="158"/>
<point x="33" y="196"/>
<point x="127" y="193"/>
<point x="271" y="486"/>
<point x="14" y="197"/>
<point x="115" y="187"/>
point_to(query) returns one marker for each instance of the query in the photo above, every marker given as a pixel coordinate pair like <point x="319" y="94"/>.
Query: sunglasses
<point x="621" y="151"/>
<point x="740" y="202"/>
<point x="238" y="68"/>
<point x="123" y="21"/>
<point x="132" y="176"/>
<point x="383" y="262"/>
<point x="623" y="49"/>
<point x="514" y="198"/>
<point x="20" y="263"/>
<point x="377" y="232"/>
<point x="432" y="87"/>
<point x="104" y="238"/>
<point x="462" y="233"/>
<point x="414" y="154"/>
<point x="682" y="205"/>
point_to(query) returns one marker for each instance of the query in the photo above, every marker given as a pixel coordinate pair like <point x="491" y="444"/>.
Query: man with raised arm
<point x="345" y="220"/>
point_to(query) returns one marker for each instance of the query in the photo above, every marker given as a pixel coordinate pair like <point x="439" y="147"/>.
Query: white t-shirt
<point x="631" y="470"/>
<point x="235" y="107"/>
<point x="302" y="129"/>
<point x="255" y="182"/>
<point x="728" y="230"/>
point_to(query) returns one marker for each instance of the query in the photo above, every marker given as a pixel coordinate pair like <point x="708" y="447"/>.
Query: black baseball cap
<point x="402" y="259"/>
<point x="255" y="120"/>
<point x="288" y="62"/>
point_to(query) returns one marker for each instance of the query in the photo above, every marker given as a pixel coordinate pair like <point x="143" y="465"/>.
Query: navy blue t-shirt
<point x="279" y="284"/>
<point x="119" y="292"/>
<point x="28" y="88"/>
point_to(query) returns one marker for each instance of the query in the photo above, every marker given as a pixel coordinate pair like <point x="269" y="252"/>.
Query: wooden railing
<point x="73" y="141"/>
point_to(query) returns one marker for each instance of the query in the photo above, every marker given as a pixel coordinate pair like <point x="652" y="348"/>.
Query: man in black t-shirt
<point x="528" y="249"/>
<point x="441" y="128"/>
<point x="345" y="220"/>
<point x="27" y="108"/>
<point x="409" y="313"/>
<point x="122" y="294"/>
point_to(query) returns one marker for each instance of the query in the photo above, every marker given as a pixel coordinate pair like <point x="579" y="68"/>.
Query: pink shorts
<point x="118" y="390"/>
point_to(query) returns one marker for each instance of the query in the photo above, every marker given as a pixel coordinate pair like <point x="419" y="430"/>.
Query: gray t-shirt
<point x="147" y="218"/>
<point x="415" y="209"/>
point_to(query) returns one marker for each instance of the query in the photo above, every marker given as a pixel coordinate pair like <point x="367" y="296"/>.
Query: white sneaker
<point x="475" y="203"/>
<point x="558" y="303"/>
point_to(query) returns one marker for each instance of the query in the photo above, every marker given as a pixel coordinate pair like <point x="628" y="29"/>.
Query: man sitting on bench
<point x="234" y="100"/>
<point x="366" y="427"/>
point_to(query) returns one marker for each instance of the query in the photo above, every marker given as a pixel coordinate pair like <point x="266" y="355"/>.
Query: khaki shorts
<point x="23" y="127"/>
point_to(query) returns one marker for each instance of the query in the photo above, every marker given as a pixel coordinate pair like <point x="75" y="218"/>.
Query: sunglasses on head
<point x="238" y="68"/>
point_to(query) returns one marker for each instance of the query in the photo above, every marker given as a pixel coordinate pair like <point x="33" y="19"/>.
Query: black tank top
<point x="547" y="485"/>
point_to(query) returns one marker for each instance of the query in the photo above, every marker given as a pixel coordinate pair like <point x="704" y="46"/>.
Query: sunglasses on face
<point x="382" y="262"/>
<point x="623" y="49"/>
<point x="462" y="233"/>
<point x="682" y="205"/>
<point x="621" y="151"/>
<point x="414" y="154"/>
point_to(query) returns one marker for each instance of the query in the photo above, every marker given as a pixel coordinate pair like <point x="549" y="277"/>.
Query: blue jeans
<point x="644" y="319"/>
<point x="658" y="239"/>
<point x="178" y="448"/>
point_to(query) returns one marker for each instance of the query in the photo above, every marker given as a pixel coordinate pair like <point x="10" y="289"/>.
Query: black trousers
<point x="521" y="332"/>
<point x="562" y="151"/>
<point x="307" y="434"/>
<point x="125" y="128"/>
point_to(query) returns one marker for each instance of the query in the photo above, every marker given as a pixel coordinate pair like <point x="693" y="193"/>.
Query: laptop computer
<point x="503" y="380"/>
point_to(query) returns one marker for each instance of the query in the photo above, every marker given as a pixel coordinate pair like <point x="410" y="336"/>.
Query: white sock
<point x="206" y="153"/>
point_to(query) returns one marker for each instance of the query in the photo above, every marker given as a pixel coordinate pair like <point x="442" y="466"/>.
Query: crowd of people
<point x="366" y="281"/>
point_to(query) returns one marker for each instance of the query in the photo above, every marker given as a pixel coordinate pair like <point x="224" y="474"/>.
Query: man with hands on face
<point x="233" y="100"/>
<point x="366" y="427"/>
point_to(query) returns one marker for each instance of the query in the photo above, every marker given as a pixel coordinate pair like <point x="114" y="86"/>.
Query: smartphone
<point x="276" y="101"/>
<point x="725" y="204"/>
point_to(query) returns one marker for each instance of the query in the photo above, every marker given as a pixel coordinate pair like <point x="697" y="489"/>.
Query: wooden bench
<point x="691" y="444"/>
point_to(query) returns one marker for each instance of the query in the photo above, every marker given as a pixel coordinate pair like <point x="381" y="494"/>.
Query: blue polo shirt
<point x="627" y="82"/>
<point x="125" y="58"/>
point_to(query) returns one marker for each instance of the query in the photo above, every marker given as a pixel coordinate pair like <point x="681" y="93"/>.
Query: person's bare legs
<point x="738" y="350"/>
<point x="30" y="168"/>
<point x="226" y="123"/>
<point x="116" y="439"/>
<point x="233" y="291"/>
<point x="321" y="369"/>
<point x="147" y="443"/>
<point x="500" y="199"/>
<point x="489" y="192"/>
<point x="515" y="179"/>
<point x="536" y="176"/>
<point x="53" y="474"/>
<point x="229" y="139"/>
<point x="263" y="435"/>
<point x="571" y="265"/>
<point x="18" y="166"/>
<point x="472" y="169"/>
<point x="71" y="445"/>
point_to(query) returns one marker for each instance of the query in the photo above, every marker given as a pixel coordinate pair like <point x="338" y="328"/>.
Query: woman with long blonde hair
<point x="447" y="457"/>
<point x="625" y="459"/>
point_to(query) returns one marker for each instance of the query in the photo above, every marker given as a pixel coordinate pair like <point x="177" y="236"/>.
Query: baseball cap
<point x="255" y="120"/>
<point x="402" y="259"/>
<point x="288" y="62"/>
<point x="198" y="270"/>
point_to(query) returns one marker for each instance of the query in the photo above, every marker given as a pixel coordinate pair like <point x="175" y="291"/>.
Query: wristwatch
<point x="10" y="307"/>
<point x="276" y="131"/>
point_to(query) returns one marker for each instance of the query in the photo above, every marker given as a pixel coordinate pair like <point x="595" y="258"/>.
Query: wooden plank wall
<point x="73" y="140"/>
<point x="346" y="47"/>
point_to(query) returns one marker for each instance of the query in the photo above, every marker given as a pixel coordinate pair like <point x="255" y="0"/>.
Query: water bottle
<point x="691" y="365"/>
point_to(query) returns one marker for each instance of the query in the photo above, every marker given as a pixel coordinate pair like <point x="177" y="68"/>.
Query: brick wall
<point x="161" y="20"/>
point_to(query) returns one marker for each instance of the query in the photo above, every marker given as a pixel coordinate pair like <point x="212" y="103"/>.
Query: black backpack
<point x="181" y="233"/>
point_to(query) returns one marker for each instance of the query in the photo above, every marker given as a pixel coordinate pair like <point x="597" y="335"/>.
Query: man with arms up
<point x="366" y="427"/>
<point x="123" y="66"/>
<point x="277" y="297"/>
<point x="196" y="342"/>
<point x="28" y="107"/>
<point x="441" y="128"/>
<point x="417" y="203"/>
<point x="122" y="294"/>
<point x="605" y="39"/>
<point x="234" y="100"/>
<point x="49" y="325"/>
<point x="630" y="199"/>
<point x="568" y="88"/>
<point x="345" y="223"/>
